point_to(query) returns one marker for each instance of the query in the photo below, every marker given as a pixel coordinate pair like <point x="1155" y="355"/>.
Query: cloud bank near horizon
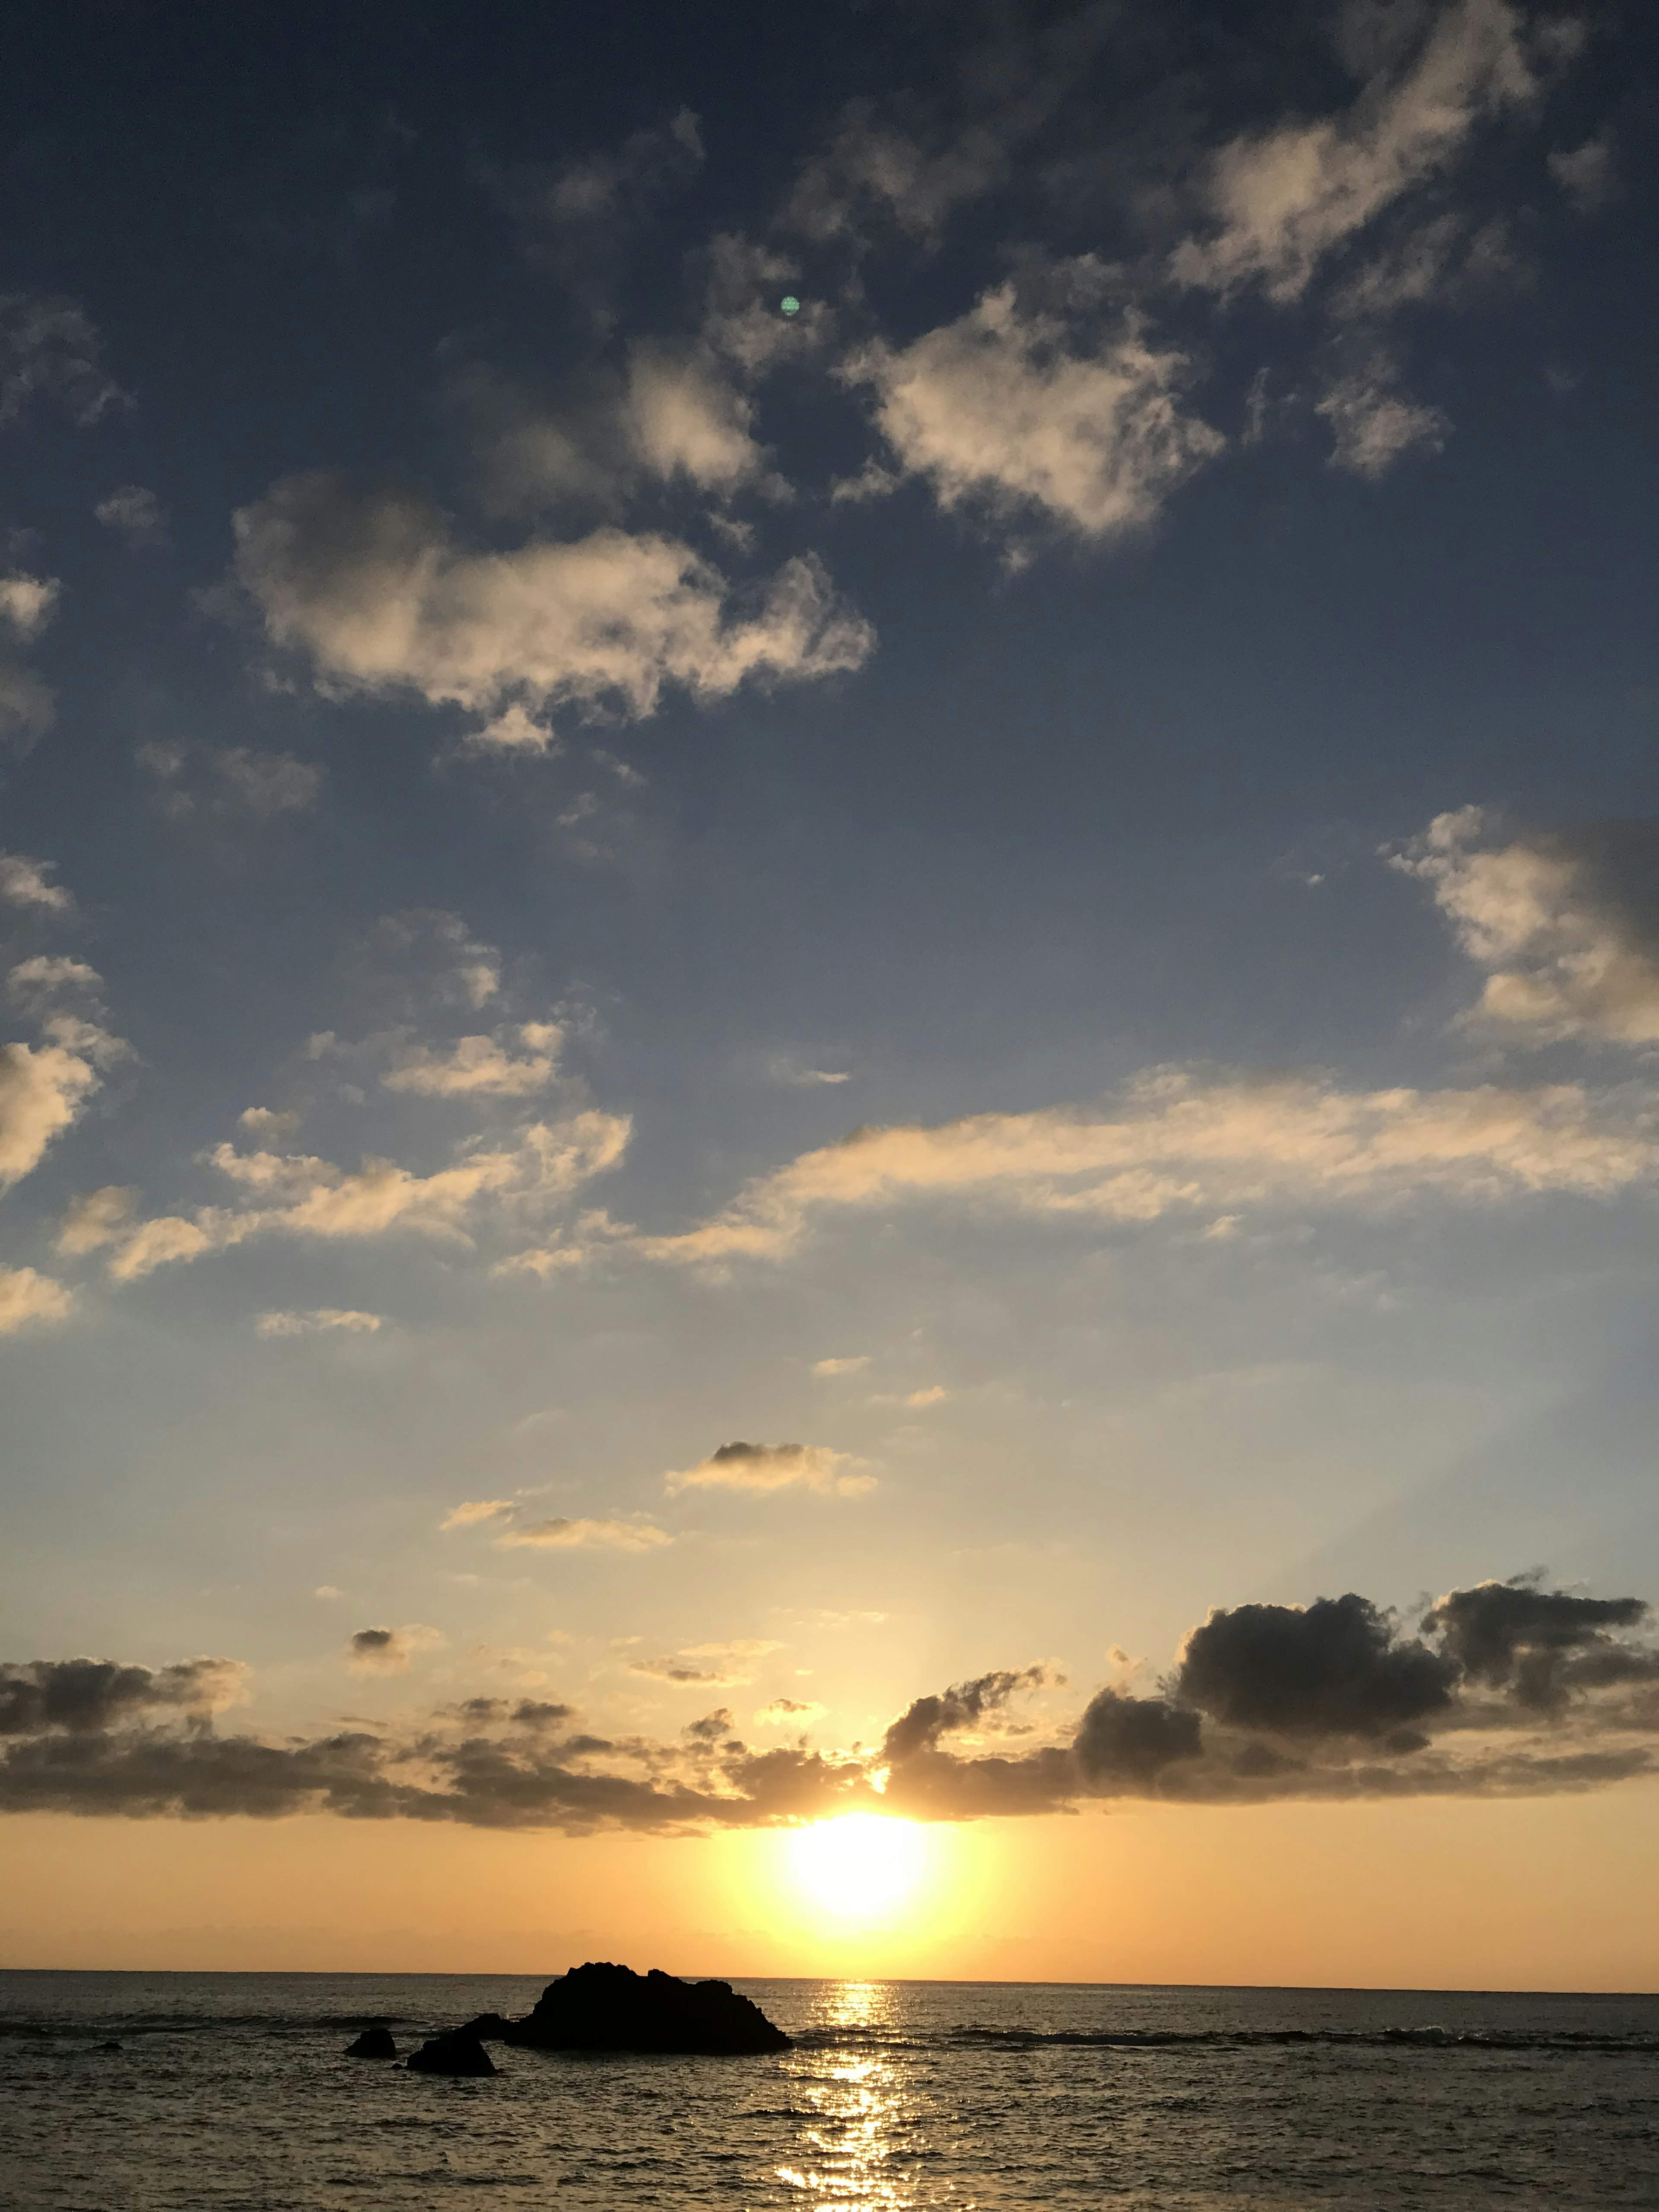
<point x="1502" y="1689"/>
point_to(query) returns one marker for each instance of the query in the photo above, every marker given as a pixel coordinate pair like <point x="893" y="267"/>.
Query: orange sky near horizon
<point x="1425" y="1893"/>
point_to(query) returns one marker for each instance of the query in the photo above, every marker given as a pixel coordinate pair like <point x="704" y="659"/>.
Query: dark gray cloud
<point x="85" y="1695"/>
<point x="1336" y="1669"/>
<point x="919" y="1727"/>
<point x="1508" y="1690"/>
<point x="1125" y="1739"/>
<point x="1539" y="1644"/>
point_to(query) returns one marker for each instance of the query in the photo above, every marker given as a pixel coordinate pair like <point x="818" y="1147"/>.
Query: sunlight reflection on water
<point x="856" y="2110"/>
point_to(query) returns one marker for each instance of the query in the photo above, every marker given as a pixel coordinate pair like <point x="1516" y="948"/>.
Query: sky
<point x="829" y="913"/>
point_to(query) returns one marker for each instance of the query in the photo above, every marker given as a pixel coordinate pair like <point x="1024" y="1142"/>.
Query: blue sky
<point x="1030" y="891"/>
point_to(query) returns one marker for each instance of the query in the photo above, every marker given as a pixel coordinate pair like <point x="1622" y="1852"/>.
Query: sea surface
<point x="230" y="2092"/>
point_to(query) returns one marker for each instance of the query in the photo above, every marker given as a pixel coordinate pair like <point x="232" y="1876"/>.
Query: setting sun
<point x="859" y="1868"/>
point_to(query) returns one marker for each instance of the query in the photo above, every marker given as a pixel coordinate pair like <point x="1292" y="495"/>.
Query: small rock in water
<point x="111" y="2046"/>
<point x="373" y="2043"/>
<point x="489" y="2027"/>
<point x="456" y="2052"/>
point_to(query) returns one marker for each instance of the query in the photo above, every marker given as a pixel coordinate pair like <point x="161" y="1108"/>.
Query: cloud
<point x="1565" y="923"/>
<point x="771" y="1468"/>
<point x="1540" y="1644"/>
<point x="1175" y="1142"/>
<point x="575" y="220"/>
<point x="1336" y="1668"/>
<point x="26" y="605"/>
<point x="474" y="1509"/>
<point x="26" y="883"/>
<point x="1374" y="424"/>
<point x="909" y="163"/>
<point x="998" y="410"/>
<point x="482" y="1066"/>
<point x="785" y="1068"/>
<point x="27" y="1297"/>
<point x="920" y="1726"/>
<point x="567" y="1535"/>
<point x="1505" y="1690"/>
<point x="370" y="588"/>
<point x="935" y="1395"/>
<point x="729" y="1665"/>
<point x="389" y="1650"/>
<point x="81" y="1696"/>
<point x="136" y="514"/>
<point x="228" y="781"/>
<point x="1586" y="173"/>
<point x="1279" y="203"/>
<point x="297" y="1194"/>
<point x="849" y="1366"/>
<point x="318" y="1320"/>
<point x="50" y="352"/>
<point x="789" y="1712"/>
<point x="43" y="1089"/>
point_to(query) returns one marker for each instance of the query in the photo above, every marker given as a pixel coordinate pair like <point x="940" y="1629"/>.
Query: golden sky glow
<point x="864" y="1870"/>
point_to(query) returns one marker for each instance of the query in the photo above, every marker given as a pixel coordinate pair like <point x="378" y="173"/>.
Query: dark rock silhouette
<point x="489" y="2027"/>
<point x="111" y="2046"/>
<point x="454" y="2053"/>
<point x="373" y="2043"/>
<point x="604" y="2008"/>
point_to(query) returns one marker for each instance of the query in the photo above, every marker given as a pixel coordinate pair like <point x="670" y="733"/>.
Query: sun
<point x="862" y="1867"/>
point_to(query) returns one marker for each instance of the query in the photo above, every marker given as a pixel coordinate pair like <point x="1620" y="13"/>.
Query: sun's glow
<point x="861" y="1869"/>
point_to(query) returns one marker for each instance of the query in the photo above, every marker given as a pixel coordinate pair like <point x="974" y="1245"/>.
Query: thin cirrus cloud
<point x="484" y="1067"/>
<point x="766" y="1468"/>
<point x="561" y="1534"/>
<point x="370" y="587"/>
<point x="318" y="1320"/>
<point x="1280" y="202"/>
<point x="1497" y="1691"/>
<point x="1175" y="1143"/>
<point x="228" y="781"/>
<point x="297" y="1194"/>
<point x="709" y="1666"/>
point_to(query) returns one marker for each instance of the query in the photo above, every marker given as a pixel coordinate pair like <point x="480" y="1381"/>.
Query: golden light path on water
<point x="859" y="2110"/>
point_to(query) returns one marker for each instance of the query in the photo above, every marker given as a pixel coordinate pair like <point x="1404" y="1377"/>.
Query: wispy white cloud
<point x="298" y="1194"/>
<point x="137" y="515"/>
<point x="228" y="779"/>
<point x="709" y="1666"/>
<point x="854" y="1366"/>
<point x="1281" y="201"/>
<point x="1374" y="423"/>
<point x="482" y="1066"/>
<point x="318" y="1320"/>
<point x="1177" y="1143"/>
<point x="564" y="1534"/>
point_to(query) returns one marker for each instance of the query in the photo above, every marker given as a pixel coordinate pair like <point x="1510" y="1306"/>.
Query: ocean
<point x="230" y="2092"/>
